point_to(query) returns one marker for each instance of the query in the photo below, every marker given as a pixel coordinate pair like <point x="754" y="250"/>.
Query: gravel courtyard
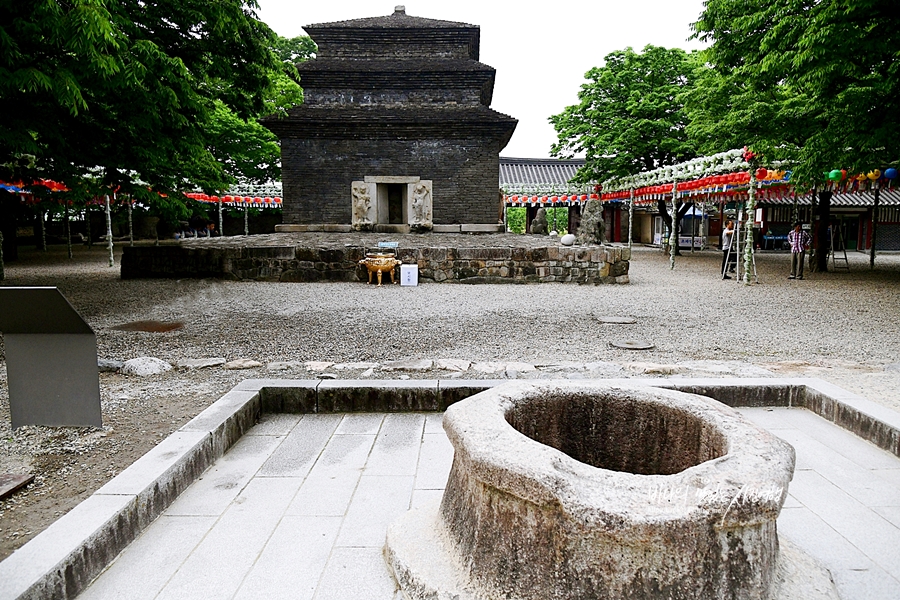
<point x="841" y="326"/>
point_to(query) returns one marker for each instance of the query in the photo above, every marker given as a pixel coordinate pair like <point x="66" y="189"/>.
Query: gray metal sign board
<point x="51" y="359"/>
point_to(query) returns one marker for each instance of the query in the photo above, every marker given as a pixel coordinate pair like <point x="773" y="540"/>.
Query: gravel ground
<point x="842" y="327"/>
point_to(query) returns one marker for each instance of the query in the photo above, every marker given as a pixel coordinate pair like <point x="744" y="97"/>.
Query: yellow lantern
<point x="873" y="175"/>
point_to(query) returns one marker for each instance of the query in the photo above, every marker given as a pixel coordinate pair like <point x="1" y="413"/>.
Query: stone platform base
<point x="419" y="552"/>
<point x="452" y="258"/>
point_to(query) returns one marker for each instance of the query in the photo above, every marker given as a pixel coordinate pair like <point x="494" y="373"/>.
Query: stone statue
<point x="539" y="225"/>
<point x="362" y="204"/>
<point x="593" y="228"/>
<point x="421" y="217"/>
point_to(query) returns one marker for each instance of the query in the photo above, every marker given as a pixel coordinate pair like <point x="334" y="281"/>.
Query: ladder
<point x="835" y="259"/>
<point x="738" y="242"/>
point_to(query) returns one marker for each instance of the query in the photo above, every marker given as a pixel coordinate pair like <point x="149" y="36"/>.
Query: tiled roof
<point x="887" y="197"/>
<point x="538" y="171"/>
<point x="397" y="20"/>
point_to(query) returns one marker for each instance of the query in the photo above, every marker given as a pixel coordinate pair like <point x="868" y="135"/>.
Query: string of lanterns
<point x="242" y="201"/>
<point x="549" y="199"/>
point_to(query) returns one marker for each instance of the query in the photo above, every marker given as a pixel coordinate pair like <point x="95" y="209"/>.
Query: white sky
<point x="540" y="51"/>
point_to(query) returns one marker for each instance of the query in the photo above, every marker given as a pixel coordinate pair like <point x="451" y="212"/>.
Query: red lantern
<point x="761" y="173"/>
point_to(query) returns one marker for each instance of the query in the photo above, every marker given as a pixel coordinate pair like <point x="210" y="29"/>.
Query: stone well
<point x="586" y="490"/>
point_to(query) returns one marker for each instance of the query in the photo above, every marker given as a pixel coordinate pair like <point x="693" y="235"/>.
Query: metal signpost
<point x="51" y="359"/>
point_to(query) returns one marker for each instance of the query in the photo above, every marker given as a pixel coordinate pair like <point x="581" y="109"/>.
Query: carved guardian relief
<point x="363" y="206"/>
<point x="420" y="206"/>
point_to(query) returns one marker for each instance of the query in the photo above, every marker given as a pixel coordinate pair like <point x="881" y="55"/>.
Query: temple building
<point x="396" y="132"/>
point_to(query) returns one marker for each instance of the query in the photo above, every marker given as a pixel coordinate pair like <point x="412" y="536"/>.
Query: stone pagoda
<point x="396" y="132"/>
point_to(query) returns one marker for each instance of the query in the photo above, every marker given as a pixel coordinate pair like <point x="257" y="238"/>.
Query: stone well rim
<point x="749" y="481"/>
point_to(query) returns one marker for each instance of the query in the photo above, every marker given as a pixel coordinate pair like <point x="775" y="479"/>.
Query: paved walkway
<point x="298" y="508"/>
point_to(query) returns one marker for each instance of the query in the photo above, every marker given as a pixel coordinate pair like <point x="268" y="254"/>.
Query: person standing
<point x="727" y="236"/>
<point x="799" y="241"/>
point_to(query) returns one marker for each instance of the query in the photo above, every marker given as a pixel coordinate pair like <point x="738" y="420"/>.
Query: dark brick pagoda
<point x="396" y="117"/>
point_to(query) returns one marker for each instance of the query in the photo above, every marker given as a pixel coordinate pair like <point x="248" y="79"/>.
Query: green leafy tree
<point x="125" y="94"/>
<point x="630" y="116"/>
<point x="291" y="51"/>
<point x="818" y="80"/>
<point x="515" y="219"/>
<point x="813" y="82"/>
<point x="128" y="87"/>
<point x="248" y="152"/>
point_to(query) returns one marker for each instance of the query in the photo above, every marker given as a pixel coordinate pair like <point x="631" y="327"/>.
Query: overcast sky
<point x="540" y="51"/>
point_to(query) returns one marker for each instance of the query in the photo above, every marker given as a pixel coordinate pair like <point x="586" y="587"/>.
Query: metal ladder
<point x="737" y="245"/>
<point x="835" y="259"/>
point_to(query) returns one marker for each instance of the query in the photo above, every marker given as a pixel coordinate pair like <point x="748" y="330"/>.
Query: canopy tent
<point x="731" y="176"/>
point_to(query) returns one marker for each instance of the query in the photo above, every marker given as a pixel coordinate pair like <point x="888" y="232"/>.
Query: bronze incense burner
<point x="378" y="263"/>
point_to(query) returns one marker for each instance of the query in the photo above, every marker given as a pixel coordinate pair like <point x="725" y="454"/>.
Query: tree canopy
<point x="630" y="116"/>
<point x="128" y="91"/>
<point x="815" y="82"/>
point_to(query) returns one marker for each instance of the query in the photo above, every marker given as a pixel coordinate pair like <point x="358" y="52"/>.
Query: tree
<point x="630" y="116"/>
<point x="813" y="82"/>
<point x="126" y="92"/>
<point x="291" y="51"/>
<point x="249" y="152"/>
<point x="826" y="71"/>
<point x="128" y="87"/>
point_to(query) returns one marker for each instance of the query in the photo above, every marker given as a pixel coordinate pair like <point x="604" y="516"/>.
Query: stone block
<point x="480" y="228"/>
<point x="437" y="228"/>
<point x="297" y="397"/>
<point x="378" y="396"/>
<point x="453" y="390"/>
<point x="227" y="419"/>
<point x="336" y="228"/>
<point x="61" y="560"/>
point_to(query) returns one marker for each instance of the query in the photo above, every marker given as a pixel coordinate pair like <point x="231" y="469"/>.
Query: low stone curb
<point x="62" y="560"/>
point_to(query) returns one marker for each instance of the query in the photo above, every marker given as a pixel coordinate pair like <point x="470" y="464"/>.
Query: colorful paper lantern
<point x="890" y="173"/>
<point x="874" y="174"/>
<point x="835" y="175"/>
<point x="761" y="173"/>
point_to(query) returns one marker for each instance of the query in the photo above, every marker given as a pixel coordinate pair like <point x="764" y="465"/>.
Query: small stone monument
<point x="592" y="229"/>
<point x="420" y="218"/>
<point x="363" y="210"/>
<point x="539" y="225"/>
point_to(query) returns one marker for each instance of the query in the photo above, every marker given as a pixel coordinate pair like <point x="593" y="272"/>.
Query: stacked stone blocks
<point x="590" y="264"/>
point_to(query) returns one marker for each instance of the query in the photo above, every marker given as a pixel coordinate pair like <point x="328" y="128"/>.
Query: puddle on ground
<point x="152" y="326"/>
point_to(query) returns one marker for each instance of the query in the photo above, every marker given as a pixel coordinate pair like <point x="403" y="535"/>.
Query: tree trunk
<point x="667" y="220"/>
<point x="109" y="237"/>
<point x="68" y="228"/>
<point x="682" y="209"/>
<point x="824" y="210"/>
<point x="9" y="203"/>
<point x="87" y="224"/>
<point x="130" y="222"/>
<point x="630" y="217"/>
<point x="42" y="244"/>
<point x="874" y="229"/>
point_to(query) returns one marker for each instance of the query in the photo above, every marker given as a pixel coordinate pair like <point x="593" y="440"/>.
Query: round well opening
<point x="619" y="432"/>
